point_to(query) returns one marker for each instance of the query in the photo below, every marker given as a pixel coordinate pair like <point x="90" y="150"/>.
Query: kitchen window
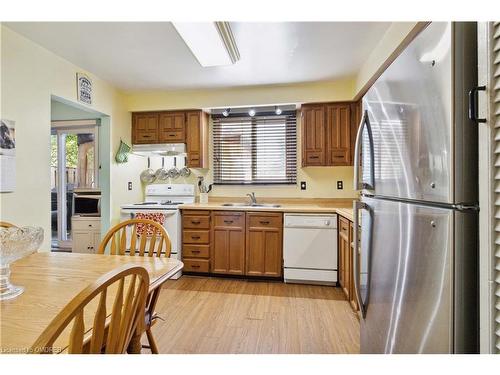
<point x="260" y="149"/>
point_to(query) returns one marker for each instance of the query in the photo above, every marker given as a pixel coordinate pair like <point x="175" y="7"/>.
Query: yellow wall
<point x="29" y="76"/>
<point x="388" y="44"/>
<point x="321" y="181"/>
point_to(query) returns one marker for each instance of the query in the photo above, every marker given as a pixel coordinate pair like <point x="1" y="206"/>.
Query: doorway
<point x="76" y="174"/>
<point x="74" y="166"/>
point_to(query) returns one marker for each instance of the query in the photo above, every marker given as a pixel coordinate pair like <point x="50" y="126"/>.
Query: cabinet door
<point x="171" y="127"/>
<point x="313" y="136"/>
<point x="197" y="139"/>
<point x="145" y="128"/>
<point x="344" y="249"/>
<point x="228" y="243"/>
<point x="352" y="292"/>
<point x="264" y="245"/>
<point x="338" y="134"/>
<point x="83" y="241"/>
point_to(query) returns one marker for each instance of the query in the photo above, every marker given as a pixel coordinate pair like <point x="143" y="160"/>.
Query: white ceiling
<point x="151" y="55"/>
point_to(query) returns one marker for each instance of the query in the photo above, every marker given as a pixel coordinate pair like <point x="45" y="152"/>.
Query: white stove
<point x="164" y="198"/>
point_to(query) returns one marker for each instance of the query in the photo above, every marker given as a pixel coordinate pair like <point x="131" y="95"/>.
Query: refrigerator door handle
<point x="357" y="206"/>
<point x="365" y="121"/>
<point x="473" y="104"/>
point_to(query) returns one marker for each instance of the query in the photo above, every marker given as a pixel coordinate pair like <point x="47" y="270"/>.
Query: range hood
<point x="160" y="149"/>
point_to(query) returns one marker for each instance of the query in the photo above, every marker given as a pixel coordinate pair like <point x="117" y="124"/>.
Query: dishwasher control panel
<point x="311" y="221"/>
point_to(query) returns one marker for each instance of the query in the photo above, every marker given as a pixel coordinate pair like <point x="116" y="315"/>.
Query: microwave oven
<point x="87" y="203"/>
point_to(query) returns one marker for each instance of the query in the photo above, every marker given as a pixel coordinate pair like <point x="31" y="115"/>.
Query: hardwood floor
<point x="215" y="315"/>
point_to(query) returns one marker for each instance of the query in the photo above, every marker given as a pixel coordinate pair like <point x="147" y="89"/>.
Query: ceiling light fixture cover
<point x="251" y="112"/>
<point x="212" y="43"/>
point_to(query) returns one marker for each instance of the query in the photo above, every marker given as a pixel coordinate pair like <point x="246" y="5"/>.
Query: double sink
<point x="251" y="205"/>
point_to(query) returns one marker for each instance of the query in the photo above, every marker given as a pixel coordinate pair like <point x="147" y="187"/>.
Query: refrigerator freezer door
<point x="424" y="145"/>
<point x="406" y="278"/>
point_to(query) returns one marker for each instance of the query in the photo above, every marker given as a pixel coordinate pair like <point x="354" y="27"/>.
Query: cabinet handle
<point x="195" y="237"/>
<point x="171" y="135"/>
<point x="313" y="157"/>
<point x="264" y="222"/>
<point x="195" y="266"/>
<point x="146" y="136"/>
<point x="195" y="251"/>
<point x="228" y="221"/>
<point x="195" y="222"/>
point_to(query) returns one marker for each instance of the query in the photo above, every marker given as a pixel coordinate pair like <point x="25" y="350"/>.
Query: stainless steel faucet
<point x="252" y="198"/>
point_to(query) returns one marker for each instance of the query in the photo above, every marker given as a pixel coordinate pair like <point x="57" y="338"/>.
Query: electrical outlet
<point x="302" y="185"/>
<point x="129" y="185"/>
<point x="340" y="185"/>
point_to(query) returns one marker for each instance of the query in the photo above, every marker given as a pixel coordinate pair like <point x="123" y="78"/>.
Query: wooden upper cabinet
<point x="338" y="134"/>
<point x="313" y="135"/>
<point x="197" y="139"/>
<point x="145" y="127"/>
<point x="171" y="128"/>
<point x="328" y="133"/>
<point x="189" y="126"/>
<point x="228" y="243"/>
<point x="264" y="244"/>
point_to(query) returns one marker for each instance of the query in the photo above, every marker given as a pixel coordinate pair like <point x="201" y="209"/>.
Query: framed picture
<point x="7" y="156"/>
<point x="84" y="88"/>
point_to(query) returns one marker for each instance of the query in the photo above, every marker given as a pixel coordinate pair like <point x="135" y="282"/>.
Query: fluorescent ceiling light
<point x="212" y="43"/>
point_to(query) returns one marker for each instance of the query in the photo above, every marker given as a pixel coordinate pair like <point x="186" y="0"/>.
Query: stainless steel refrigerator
<point x="416" y="167"/>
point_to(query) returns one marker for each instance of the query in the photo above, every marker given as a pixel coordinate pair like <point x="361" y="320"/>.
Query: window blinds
<point x="255" y="150"/>
<point x="495" y="120"/>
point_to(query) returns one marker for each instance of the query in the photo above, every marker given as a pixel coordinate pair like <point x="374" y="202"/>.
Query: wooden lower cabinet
<point x="264" y="242"/>
<point x="233" y="243"/>
<point x="228" y="243"/>
<point x="196" y="241"/>
<point x="346" y="272"/>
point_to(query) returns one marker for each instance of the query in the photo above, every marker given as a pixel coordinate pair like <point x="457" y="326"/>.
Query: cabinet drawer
<point x="344" y="226"/>
<point x="196" y="265"/>
<point x="196" y="212"/>
<point x="171" y="136"/>
<point x="314" y="158"/>
<point x="146" y="137"/>
<point x="196" y="251"/>
<point x="229" y="219"/>
<point x="196" y="236"/>
<point x="265" y="221"/>
<point x="86" y="224"/>
<point x="196" y="222"/>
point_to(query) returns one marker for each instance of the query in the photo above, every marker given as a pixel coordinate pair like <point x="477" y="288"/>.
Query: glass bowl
<point x="15" y="243"/>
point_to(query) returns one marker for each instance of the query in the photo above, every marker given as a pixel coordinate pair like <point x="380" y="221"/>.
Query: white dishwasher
<point x="310" y="248"/>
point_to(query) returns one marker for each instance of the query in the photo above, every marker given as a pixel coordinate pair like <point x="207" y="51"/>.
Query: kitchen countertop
<point x="342" y="208"/>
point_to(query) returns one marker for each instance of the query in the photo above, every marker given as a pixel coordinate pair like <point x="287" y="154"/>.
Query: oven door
<point x="172" y="225"/>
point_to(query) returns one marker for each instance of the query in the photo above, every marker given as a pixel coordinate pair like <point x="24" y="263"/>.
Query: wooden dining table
<point x="51" y="280"/>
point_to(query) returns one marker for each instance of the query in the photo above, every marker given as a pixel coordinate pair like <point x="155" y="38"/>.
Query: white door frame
<point x="61" y="129"/>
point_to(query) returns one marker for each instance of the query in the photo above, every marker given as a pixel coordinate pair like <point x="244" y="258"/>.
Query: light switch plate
<point x="303" y="185"/>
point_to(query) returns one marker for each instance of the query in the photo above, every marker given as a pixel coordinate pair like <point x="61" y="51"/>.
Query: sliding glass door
<point x="74" y="165"/>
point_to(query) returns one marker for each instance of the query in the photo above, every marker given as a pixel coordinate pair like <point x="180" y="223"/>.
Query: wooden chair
<point x="127" y="238"/>
<point x="5" y="224"/>
<point x="126" y="314"/>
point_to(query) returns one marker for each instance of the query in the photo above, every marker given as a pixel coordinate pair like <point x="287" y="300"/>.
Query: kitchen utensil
<point x="185" y="171"/>
<point x="209" y="188"/>
<point x="174" y="172"/>
<point x="200" y="184"/>
<point x="148" y="175"/>
<point x="161" y="174"/>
